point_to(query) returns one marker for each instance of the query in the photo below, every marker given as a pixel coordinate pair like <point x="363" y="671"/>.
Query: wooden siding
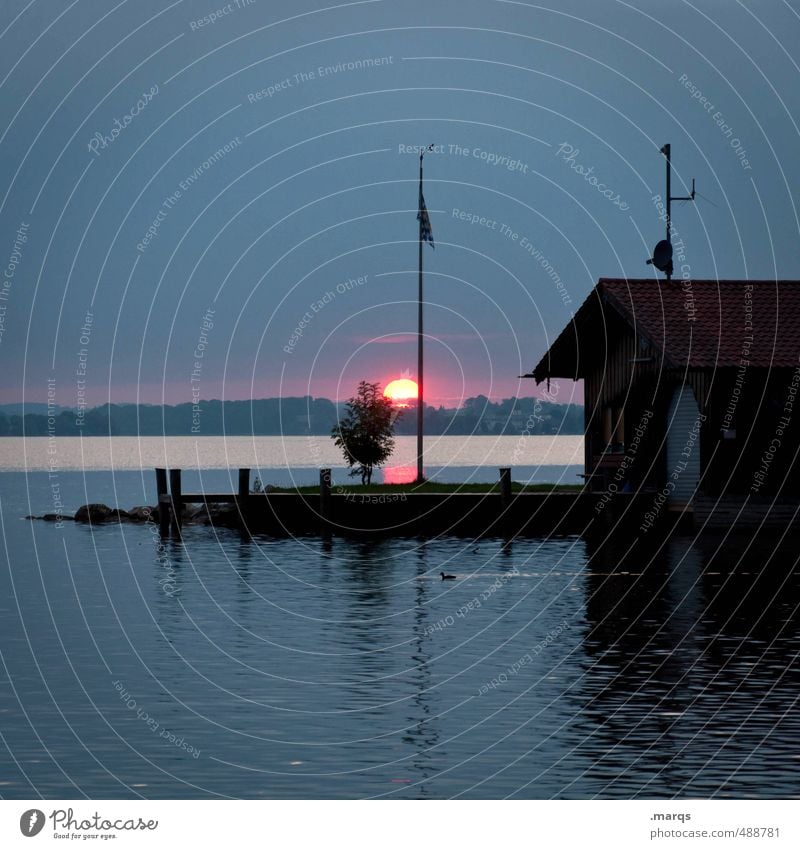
<point x="732" y="512"/>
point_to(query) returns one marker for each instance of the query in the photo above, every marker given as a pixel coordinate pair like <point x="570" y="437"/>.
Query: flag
<point x="425" y="232"/>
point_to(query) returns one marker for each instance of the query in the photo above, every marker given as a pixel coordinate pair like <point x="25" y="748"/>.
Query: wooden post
<point x="177" y="499"/>
<point x="505" y="503"/>
<point x="164" y="514"/>
<point x="325" y="499"/>
<point x="164" y="507"/>
<point x="505" y="487"/>
<point x="244" y="483"/>
<point x="243" y="499"/>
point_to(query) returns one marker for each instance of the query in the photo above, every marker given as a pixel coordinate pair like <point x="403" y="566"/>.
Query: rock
<point x="221" y="515"/>
<point x="51" y="517"/>
<point x="143" y="514"/>
<point x="201" y="516"/>
<point x="95" y="513"/>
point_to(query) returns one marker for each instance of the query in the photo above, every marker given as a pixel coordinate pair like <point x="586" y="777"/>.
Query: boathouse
<point x="690" y="391"/>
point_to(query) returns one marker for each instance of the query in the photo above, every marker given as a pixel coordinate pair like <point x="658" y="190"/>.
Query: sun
<point x="402" y="391"/>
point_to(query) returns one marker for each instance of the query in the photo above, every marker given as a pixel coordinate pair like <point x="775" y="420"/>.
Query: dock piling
<point x="244" y="483"/>
<point x="325" y="499"/>
<point x="177" y="497"/>
<point x="164" y="514"/>
<point x="161" y="482"/>
<point x="505" y="487"/>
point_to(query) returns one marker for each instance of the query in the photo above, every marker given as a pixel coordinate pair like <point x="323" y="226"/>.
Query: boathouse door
<point x="683" y="446"/>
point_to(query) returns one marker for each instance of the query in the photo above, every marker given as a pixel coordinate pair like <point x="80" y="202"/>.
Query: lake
<point x="285" y="459"/>
<point x="222" y="666"/>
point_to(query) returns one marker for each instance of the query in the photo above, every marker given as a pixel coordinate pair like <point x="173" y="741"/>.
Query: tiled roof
<point x="696" y="324"/>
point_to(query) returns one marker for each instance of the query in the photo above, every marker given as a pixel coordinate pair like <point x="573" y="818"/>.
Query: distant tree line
<point x="293" y="417"/>
<point x="508" y="417"/>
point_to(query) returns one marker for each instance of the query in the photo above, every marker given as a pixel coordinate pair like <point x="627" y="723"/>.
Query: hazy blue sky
<point x="315" y="189"/>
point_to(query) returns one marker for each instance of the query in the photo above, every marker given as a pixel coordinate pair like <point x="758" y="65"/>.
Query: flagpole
<point x="420" y="378"/>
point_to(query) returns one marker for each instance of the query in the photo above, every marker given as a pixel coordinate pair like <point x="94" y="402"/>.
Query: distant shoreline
<point x="293" y="416"/>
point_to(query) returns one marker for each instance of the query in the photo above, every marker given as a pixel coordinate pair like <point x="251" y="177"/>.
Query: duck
<point x="447" y="577"/>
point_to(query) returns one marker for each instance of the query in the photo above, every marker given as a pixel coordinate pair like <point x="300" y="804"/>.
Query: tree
<point x="366" y="432"/>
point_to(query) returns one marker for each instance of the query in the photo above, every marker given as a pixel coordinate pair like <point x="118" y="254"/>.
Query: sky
<point x="203" y="199"/>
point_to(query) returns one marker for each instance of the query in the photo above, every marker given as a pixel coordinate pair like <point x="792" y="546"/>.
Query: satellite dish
<point x="662" y="257"/>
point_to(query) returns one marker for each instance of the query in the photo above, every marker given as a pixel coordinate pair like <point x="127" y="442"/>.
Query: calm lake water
<point x="285" y="459"/>
<point x="264" y="668"/>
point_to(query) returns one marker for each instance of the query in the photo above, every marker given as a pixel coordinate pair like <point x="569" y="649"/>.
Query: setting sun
<point x="401" y="391"/>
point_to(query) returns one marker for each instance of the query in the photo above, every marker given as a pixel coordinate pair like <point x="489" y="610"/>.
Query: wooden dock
<point x="499" y="513"/>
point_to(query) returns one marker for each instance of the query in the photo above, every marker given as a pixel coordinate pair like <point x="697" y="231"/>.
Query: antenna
<point x="662" y="255"/>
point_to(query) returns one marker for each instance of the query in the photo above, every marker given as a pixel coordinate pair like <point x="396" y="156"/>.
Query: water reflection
<point x="688" y="669"/>
<point x="399" y="474"/>
<point x="345" y="668"/>
<point x="422" y="732"/>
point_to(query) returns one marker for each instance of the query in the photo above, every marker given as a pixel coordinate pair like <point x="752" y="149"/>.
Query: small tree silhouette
<point x="366" y="433"/>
